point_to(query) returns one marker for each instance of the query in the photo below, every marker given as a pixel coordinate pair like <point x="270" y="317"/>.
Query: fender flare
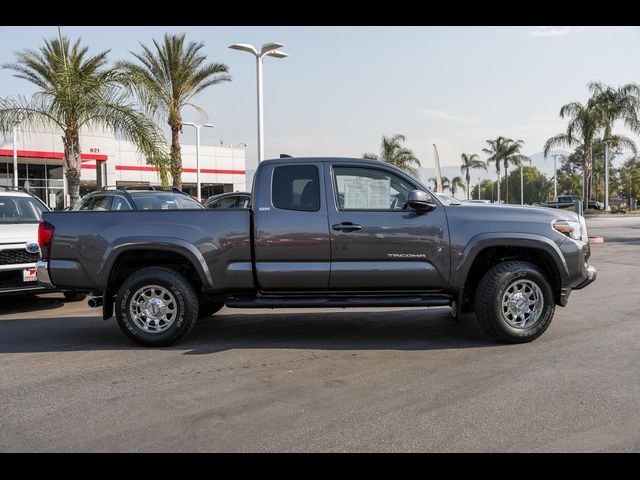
<point x="164" y="244"/>
<point x="506" y="239"/>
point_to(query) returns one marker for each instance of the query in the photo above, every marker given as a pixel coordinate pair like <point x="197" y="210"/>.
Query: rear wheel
<point x="514" y="302"/>
<point x="156" y="307"/>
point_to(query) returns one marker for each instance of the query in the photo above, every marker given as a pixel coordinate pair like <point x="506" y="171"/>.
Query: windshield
<point x="164" y="201"/>
<point x="448" y="199"/>
<point x="20" y="210"/>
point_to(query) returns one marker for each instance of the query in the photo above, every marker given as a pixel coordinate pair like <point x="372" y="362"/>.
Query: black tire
<point x="488" y="301"/>
<point x="208" y="309"/>
<point x="186" y="306"/>
<point x="74" y="296"/>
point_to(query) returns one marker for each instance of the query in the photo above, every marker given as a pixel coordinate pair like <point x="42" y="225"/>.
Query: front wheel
<point x="514" y="302"/>
<point x="156" y="307"/>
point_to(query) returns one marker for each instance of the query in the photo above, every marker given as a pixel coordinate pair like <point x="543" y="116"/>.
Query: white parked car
<point x="20" y="213"/>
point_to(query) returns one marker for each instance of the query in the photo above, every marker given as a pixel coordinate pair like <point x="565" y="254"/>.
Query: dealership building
<point x="107" y="160"/>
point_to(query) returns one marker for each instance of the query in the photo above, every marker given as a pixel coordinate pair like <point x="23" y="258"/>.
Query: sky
<point x="342" y="88"/>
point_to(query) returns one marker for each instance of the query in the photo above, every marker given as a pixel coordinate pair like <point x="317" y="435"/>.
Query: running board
<point x="314" y="302"/>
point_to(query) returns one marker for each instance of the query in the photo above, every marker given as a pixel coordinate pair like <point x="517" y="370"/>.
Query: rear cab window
<point x="296" y="187"/>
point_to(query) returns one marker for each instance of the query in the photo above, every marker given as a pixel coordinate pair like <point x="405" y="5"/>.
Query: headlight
<point x="570" y="229"/>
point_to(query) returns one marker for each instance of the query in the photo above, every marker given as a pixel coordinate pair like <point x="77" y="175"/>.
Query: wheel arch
<point x="489" y="249"/>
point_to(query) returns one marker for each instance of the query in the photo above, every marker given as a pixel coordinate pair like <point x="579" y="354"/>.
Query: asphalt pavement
<point x="332" y="380"/>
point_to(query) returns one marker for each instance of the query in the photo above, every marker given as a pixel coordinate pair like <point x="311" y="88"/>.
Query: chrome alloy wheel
<point x="153" y="308"/>
<point x="522" y="303"/>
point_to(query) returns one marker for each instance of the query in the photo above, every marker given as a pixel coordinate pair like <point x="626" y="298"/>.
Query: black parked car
<point x="137" y="198"/>
<point x="229" y="200"/>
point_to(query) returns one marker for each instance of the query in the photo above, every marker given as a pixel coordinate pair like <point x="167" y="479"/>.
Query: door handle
<point x="346" y="226"/>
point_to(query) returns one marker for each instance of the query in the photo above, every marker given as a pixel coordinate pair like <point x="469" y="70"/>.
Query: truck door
<point x="375" y="242"/>
<point x="292" y="244"/>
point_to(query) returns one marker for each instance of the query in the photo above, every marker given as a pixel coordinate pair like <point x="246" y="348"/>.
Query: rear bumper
<point x="42" y="271"/>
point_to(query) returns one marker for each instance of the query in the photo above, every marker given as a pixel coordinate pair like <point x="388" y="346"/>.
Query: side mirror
<point x="419" y="200"/>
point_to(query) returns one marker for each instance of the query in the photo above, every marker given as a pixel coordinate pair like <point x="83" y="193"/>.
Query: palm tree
<point x="621" y="103"/>
<point x="585" y="123"/>
<point x="511" y="155"/>
<point x="445" y="183"/>
<point x="470" y="162"/>
<point x="457" y="183"/>
<point x="76" y="90"/>
<point x="613" y="104"/>
<point x="495" y="151"/>
<point x="167" y="79"/>
<point x="392" y="151"/>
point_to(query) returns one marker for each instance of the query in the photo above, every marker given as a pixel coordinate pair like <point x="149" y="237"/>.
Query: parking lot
<point x="332" y="380"/>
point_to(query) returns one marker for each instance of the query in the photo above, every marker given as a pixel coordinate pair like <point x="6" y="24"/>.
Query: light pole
<point x="479" y="184"/>
<point x="270" y="49"/>
<point x="15" y="156"/>
<point x="606" y="178"/>
<point x="197" y="127"/>
<point x="555" y="176"/>
<point x="521" y="185"/>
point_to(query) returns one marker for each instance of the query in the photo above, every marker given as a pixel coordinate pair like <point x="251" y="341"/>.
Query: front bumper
<point x="592" y="273"/>
<point x="12" y="283"/>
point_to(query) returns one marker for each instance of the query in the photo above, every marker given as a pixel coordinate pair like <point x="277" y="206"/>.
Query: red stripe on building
<point x="136" y="168"/>
<point x="53" y="155"/>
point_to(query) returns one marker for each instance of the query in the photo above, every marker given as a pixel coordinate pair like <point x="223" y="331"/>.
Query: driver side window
<point x="362" y="188"/>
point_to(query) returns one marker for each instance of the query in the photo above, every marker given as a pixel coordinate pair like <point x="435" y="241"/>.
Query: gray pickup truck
<point x="321" y="232"/>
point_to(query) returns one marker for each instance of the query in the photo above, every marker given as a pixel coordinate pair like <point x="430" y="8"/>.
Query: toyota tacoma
<point x="321" y="232"/>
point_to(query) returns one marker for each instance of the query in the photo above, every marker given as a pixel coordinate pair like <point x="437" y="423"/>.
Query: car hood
<point x="18" y="233"/>
<point x="517" y="211"/>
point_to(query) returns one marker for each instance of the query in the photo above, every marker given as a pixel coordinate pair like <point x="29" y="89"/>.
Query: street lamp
<point x="15" y="156"/>
<point x="197" y="127"/>
<point x="555" y="175"/>
<point x="270" y="49"/>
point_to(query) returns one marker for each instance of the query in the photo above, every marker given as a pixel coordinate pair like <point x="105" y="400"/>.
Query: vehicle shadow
<point x="12" y="304"/>
<point x="406" y="329"/>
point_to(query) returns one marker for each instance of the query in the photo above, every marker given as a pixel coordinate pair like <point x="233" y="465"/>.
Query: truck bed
<point x="88" y="243"/>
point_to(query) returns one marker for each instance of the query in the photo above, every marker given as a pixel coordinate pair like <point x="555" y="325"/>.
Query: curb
<point x="594" y="240"/>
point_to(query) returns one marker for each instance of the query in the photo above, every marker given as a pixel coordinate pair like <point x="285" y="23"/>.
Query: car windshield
<point x="164" y="201"/>
<point x="20" y="210"/>
<point x="448" y="199"/>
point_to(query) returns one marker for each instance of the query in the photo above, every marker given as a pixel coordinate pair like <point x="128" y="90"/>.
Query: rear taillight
<point x="45" y="236"/>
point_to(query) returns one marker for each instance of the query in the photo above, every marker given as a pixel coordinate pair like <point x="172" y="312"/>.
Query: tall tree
<point x="392" y="151"/>
<point x="582" y="131"/>
<point x="613" y="104"/>
<point x="511" y="155"/>
<point x="166" y="79"/>
<point x="446" y="183"/>
<point x="495" y="149"/>
<point x="469" y="163"/>
<point x="77" y="90"/>
<point x="457" y="183"/>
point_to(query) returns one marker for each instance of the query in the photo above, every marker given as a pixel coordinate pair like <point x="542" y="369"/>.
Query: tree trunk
<point x="587" y="176"/>
<point x="497" y="188"/>
<point x="468" y="192"/>
<point x="176" y="155"/>
<point x="72" y="166"/>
